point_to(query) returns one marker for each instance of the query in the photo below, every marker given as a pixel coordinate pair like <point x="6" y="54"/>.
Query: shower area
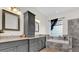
<point x="73" y="32"/>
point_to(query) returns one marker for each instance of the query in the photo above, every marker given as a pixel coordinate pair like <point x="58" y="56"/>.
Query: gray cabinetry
<point x="34" y="45"/>
<point x="13" y="49"/>
<point x="28" y="45"/>
<point x="43" y="42"/>
<point x="37" y="44"/>
<point x="29" y="23"/>
<point x="22" y="48"/>
<point x="17" y="46"/>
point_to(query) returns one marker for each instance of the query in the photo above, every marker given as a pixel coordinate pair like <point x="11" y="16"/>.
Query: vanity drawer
<point x="11" y="44"/>
<point x="13" y="49"/>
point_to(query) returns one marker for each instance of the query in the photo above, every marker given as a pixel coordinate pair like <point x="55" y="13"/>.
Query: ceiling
<point x="50" y="11"/>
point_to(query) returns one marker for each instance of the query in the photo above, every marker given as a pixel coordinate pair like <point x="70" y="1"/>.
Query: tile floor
<point x="49" y="50"/>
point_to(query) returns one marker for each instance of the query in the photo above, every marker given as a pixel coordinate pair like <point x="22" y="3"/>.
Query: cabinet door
<point x="37" y="44"/>
<point x="33" y="45"/>
<point x="22" y="48"/>
<point x="13" y="49"/>
<point x="31" y="24"/>
<point x="43" y="42"/>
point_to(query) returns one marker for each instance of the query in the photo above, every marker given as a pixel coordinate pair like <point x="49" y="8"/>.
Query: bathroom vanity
<point x="18" y="44"/>
<point x="30" y="43"/>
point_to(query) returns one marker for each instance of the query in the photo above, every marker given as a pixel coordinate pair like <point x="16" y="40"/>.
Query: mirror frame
<point x="3" y="20"/>
<point x="36" y="24"/>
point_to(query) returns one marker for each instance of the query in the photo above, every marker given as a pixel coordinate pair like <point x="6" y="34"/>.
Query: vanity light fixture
<point x="15" y="10"/>
<point x="1" y="31"/>
<point x="37" y="20"/>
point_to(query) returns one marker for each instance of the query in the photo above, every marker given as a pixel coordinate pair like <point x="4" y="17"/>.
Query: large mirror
<point x="10" y="21"/>
<point x="36" y="27"/>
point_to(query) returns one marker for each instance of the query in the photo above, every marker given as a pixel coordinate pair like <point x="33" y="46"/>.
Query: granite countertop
<point x="17" y="38"/>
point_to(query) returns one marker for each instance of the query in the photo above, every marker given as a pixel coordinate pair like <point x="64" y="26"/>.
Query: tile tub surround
<point x="58" y="41"/>
<point x="73" y="31"/>
<point x="73" y="28"/>
<point x="62" y="45"/>
<point x="75" y="45"/>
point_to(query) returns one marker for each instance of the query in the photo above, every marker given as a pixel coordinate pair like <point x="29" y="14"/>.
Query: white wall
<point x="68" y="15"/>
<point x="43" y="26"/>
<point x="6" y="33"/>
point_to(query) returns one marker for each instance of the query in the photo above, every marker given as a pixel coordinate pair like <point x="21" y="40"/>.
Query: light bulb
<point x="37" y="20"/>
<point x="14" y="9"/>
<point x="19" y="12"/>
<point x="9" y="8"/>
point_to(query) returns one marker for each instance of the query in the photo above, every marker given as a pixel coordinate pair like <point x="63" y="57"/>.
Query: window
<point x="58" y="29"/>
